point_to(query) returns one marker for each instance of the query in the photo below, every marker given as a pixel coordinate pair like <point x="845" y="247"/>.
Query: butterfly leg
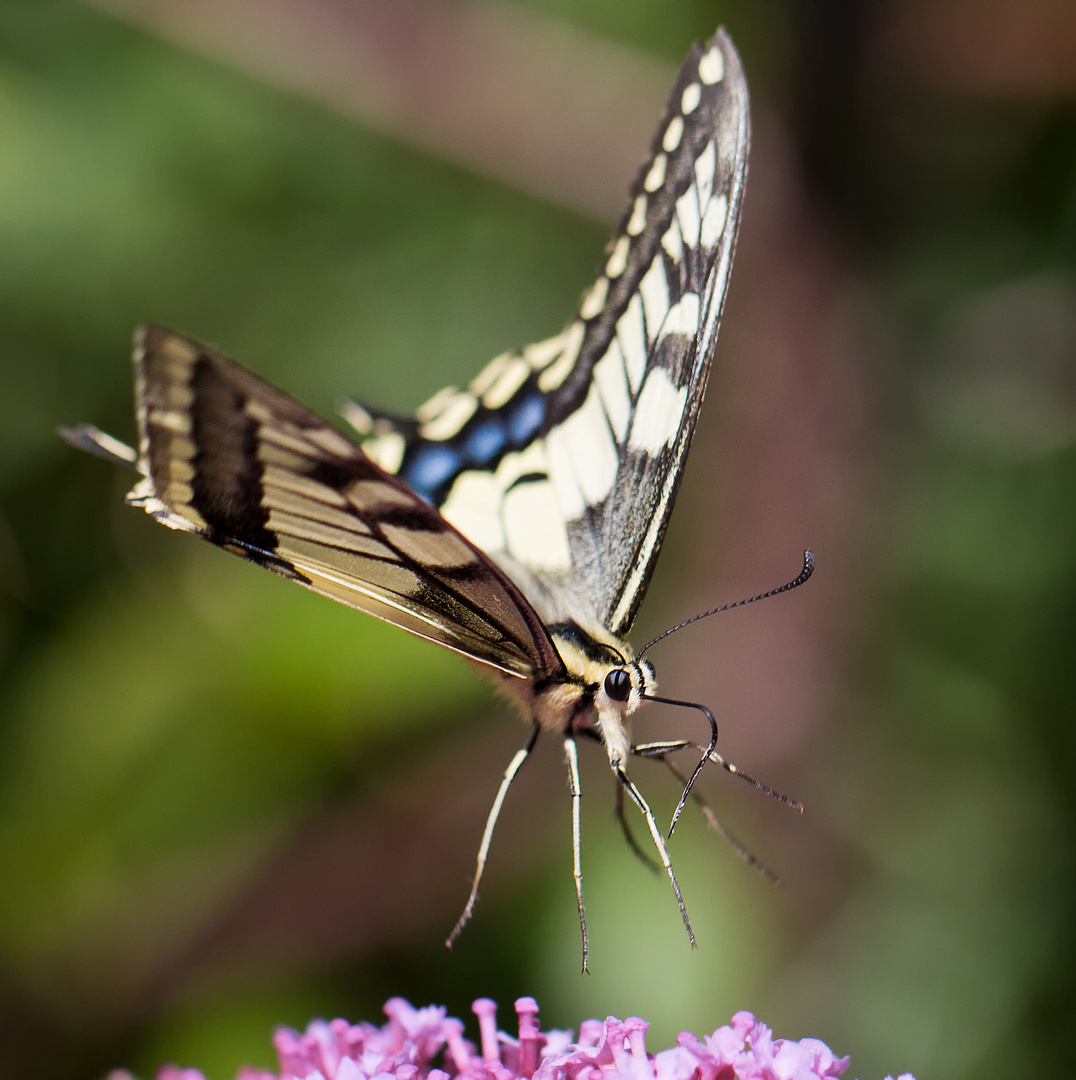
<point x="659" y="750"/>
<point x="621" y="817"/>
<point x="576" y="790"/>
<point x="629" y="836"/>
<point x="670" y="746"/>
<point x="487" y="835"/>
<point x="707" y="755"/>
<point x="659" y="843"/>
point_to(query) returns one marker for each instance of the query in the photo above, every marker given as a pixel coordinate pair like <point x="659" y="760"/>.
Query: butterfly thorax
<point x="601" y="686"/>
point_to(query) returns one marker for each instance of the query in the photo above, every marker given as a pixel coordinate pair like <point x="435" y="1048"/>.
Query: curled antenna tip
<point x="799" y="579"/>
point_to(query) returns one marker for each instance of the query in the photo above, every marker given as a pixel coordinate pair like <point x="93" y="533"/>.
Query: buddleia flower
<point x="427" y="1044"/>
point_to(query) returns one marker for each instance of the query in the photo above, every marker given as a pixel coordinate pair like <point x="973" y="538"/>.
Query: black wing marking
<point x="229" y="457"/>
<point x="562" y="461"/>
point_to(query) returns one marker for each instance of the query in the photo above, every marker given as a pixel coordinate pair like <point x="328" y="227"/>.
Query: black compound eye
<point x="618" y="684"/>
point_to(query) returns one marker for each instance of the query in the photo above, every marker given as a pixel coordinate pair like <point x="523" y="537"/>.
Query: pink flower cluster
<point x="413" y="1040"/>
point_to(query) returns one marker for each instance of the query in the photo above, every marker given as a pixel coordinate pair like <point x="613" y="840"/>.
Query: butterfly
<point x="516" y="520"/>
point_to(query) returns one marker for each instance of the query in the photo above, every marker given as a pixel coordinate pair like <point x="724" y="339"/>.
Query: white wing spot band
<point x="656" y="177"/>
<point x="448" y="422"/>
<point x="514" y="375"/>
<point x="637" y="221"/>
<point x="673" y="134"/>
<point x="712" y="67"/>
<point x="618" y="260"/>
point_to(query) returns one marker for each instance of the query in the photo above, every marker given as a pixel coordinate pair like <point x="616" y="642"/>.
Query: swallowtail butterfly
<point x="516" y="520"/>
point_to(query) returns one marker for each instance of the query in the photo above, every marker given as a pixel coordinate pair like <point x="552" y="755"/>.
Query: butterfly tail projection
<point x="99" y="443"/>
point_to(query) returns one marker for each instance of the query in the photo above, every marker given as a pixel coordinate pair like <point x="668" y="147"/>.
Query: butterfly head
<point x="606" y="682"/>
<point x="624" y="685"/>
<point x="604" y="667"/>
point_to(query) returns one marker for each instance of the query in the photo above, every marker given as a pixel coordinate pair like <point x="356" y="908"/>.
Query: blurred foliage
<point x="171" y="717"/>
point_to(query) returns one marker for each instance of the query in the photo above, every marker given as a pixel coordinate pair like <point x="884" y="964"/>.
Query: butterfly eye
<point x="618" y="684"/>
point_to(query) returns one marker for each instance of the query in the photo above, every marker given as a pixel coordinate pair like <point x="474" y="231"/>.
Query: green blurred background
<point x="226" y="803"/>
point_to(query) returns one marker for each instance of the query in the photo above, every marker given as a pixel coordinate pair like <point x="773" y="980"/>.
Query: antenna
<point x="804" y="574"/>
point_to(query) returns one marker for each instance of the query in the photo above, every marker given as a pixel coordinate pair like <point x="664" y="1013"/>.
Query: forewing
<point x="563" y="460"/>
<point x="229" y="457"/>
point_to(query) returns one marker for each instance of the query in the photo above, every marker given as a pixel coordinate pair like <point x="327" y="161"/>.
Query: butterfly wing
<point x="229" y="457"/>
<point x="562" y="461"/>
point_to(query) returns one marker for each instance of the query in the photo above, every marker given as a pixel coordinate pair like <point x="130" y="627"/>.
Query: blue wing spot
<point x="526" y="418"/>
<point x="485" y="441"/>
<point x="430" y="466"/>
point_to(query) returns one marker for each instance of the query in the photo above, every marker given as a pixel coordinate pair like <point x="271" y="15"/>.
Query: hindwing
<point x="562" y="460"/>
